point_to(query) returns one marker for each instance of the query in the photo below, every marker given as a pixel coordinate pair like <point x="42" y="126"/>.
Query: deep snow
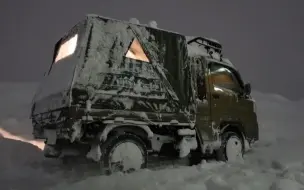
<point x="276" y="162"/>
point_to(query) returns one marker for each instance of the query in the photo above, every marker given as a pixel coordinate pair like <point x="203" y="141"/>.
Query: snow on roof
<point x="193" y="49"/>
<point x="134" y="21"/>
<point x="149" y="25"/>
<point x="196" y="51"/>
<point x="153" y="24"/>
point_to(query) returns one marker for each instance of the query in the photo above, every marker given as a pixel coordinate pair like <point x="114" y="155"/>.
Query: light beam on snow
<point x="9" y="135"/>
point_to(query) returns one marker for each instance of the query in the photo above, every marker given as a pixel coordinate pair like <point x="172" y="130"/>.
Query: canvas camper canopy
<point x="121" y="69"/>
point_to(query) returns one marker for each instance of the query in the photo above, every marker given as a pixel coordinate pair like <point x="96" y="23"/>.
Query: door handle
<point x="216" y="96"/>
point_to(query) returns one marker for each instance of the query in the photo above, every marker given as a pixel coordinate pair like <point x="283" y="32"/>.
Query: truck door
<point x="245" y="110"/>
<point x="224" y="93"/>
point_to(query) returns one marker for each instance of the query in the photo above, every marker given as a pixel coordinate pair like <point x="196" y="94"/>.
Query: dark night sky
<point x="263" y="38"/>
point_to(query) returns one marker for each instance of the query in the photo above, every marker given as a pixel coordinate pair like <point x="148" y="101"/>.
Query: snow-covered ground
<point x="276" y="162"/>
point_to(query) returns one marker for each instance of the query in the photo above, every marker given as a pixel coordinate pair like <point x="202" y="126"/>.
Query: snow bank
<point x="21" y="159"/>
<point x="279" y="118"/>
<point x="20" y="167"/>
<point x="276" y="162"/>
<point x="208" y="176"/>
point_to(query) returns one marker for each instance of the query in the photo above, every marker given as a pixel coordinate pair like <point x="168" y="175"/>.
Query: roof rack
<point x="207" y="43"/>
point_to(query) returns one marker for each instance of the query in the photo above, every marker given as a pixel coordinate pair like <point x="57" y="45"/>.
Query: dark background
<point x="263" y="38"/>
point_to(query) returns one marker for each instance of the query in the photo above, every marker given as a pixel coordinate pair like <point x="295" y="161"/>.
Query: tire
<point x="134" y="147"/>
<point x="232" y="148"/>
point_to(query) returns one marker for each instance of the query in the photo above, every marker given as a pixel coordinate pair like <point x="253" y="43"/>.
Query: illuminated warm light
<point x="67" y="48"/>
<point x="9" y="135"/>
<point x="136" y="52"/>
<point x="222" y="78"/>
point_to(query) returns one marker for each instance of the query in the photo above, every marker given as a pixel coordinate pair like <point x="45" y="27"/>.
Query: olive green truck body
<point x="108" y="75"/>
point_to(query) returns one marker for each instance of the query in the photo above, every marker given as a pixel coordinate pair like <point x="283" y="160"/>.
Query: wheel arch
<point x="142" y="131"/>
<point x="231" y="126"/>
<point x="236" y="127"/>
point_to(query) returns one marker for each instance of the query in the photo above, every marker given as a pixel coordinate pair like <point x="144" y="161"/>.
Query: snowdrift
<point x="277" y="161"/>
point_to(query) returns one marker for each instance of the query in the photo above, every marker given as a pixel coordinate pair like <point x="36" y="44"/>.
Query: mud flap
<point x="94" y="153"/>
<point x="50" y="151"/>
<point x="186" y="145"/>
<point x="51" y="136"/>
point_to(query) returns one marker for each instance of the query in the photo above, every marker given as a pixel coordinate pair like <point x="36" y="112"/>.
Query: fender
<point x="233" y="125"/>
<point x="247" y="145"/>
<point x="110" y="127"/>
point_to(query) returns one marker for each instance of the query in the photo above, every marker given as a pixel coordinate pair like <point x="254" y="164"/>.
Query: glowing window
<point x="223" y="77"/>
<point x="67" y="48"/>
<point x="136" y="52"/>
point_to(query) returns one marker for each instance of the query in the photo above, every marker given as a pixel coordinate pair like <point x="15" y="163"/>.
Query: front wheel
<point x="232" y="148"/>
<point x="123" y="153"/>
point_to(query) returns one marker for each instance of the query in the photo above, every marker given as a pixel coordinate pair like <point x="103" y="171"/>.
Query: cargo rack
<point x="207" y="43"/>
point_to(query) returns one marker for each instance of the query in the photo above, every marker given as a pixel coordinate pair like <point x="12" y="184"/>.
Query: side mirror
<point x="247" y="88"/>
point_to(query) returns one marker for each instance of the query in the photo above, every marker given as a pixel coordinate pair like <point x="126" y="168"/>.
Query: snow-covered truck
<point x="121" y="92"/>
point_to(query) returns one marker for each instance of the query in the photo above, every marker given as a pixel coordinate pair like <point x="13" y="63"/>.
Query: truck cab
<point x="224" y="100"/>
<point x="116" y="88"/>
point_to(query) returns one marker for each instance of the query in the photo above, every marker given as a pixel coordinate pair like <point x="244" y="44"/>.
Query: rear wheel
<point x="232" y="148"/>
<point x="123" y="153"/>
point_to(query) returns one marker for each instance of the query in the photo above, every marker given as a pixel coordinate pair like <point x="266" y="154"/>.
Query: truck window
<point x="136" y="52"/>
<point x="224" y="77"/>
<point x="67" y="48"/>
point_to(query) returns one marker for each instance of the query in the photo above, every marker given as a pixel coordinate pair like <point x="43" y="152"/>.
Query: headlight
<point x="67" y="48"/>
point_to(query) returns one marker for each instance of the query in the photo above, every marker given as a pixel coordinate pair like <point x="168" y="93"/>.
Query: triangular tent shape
<point x="136" y="52"/>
